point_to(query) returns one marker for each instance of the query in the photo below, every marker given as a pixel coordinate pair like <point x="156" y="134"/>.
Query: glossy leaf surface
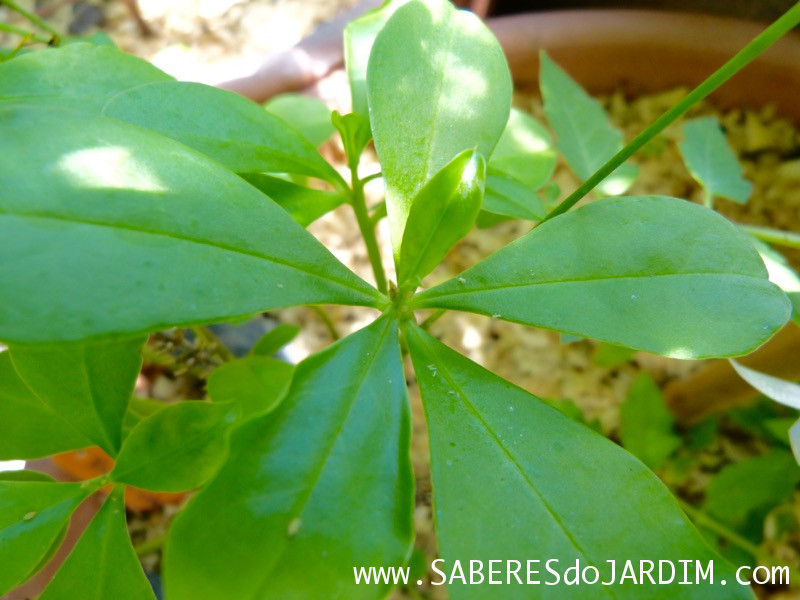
<point x="29" y="428"/>
<point x="780" y="390"/>
<point x="80" y="77"/>
<point x="305" y="204"/>
<point x="32" y="516"/>
<point x="584" y="135"/>
<point x="438" y="84"/>
<point x="177" y="448"/>
<point x="89" y="384"/>
<point x="651" y="273"/>
<point x="514" y="479"/>
<point x="711" y="161"/>
<point x="781" y="274"/>
<point x="442" y="213"/>
<point x="646" y="425"/>
<point x="123" y="230"/>
<point x="103" y="564"/>
<point x="307" y="114"/>
<point x="232" y="130"/>
<point x="256" y="383"/>
<point x="284" y="505"/>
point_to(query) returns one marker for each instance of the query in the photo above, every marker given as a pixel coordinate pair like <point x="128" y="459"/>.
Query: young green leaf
<point x="584" y="135"/>
<point x="32" y="516"/>
<point x="646" y="425"/>
<point x="29" y="428"/>
<point x="438" y="84"/>
<point x="507" y="197"/>
<point x="359" y="35"/>
<point x="308" y="115"/>
<point x="233" y="131"/>
<point x="88" y="384"/>
<point x="283" y="505"/>
<point x="753" y="484"/>
<point x="356" y="134"/>
<point x="442" y="213"/>
<point x="177" y="448"/>
<point x="711" y="161"/>
<point x="514" y="478"/>
<point x="652" y="273"/>
<point x="103" y="564"/>
<point x="123" y="231"/>
<point x="257" y="383"/>
<point x="305" y="204"/>
<point x="80" y="77"/>
<point x="275" y="339"/>
<point x="524" y="151"/>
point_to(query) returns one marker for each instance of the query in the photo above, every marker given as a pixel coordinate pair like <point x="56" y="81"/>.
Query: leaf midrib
<point x="216" y="245"/>
<point x="477" y="416"/>
<point x="302" y="500"/>
<point x="423" y="298"/>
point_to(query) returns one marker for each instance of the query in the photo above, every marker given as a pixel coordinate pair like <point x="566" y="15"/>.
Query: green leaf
<point x="275" y="339"/>
<point x="515" y="479"/>
<point x="711" y="161"/>
<point x="359" y="35"/>
<point x="125" y="231"/>
<point x="308" y="115"/>
<point x="177" y="448"/>
<point x="356" y="134"/>
<point x="232" y="130"/>
<point x="584" y="135"/>
<point x="508" y="197"/>
<point x="257" y="383"/>
<point x="32" y="516"/>
<point x="26" y="475"/>
<point x="781" y="274"/>
<point x="611" y="355"/>
<point x="305" y="204"/>
<point x="755" y="483"/>
<point x="81" y="77"/>
<point x="438" y="84"/>
<point x="89" y="384"/>
<point x="441" y="214"/>
<point x="319" y="486"/>
<point x="647" y="428"/>
<point x="524" y="152"/>
<point x="29" y="428"/>
<point x="651" y="273"/>
<point x="103" y="565"/>
<point x="785" y="392"/>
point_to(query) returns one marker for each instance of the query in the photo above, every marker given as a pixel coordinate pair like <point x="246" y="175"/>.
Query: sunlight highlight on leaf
<point x="108" y="167"/>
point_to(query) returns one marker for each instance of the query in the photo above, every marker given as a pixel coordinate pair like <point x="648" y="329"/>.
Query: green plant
<point x="132" y="202"/>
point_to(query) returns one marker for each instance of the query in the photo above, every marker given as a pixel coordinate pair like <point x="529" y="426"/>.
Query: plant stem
<point x="432" y="318"/>
<point x="708" y="199"/>
<point x="27" y="34"/>
<point x="369" y="178"/>
<point x="150" y="546"/>
<point x="763" y="41"/>
<point x="33" y="18"/>
<point x="327" y="321"/>
<point x="367" y="228"/>
<point x="773" y="236"/>
<point x="702" y="519"/>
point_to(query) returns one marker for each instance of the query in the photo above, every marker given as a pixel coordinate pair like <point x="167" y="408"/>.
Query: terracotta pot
<point x="650" y="51"/>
